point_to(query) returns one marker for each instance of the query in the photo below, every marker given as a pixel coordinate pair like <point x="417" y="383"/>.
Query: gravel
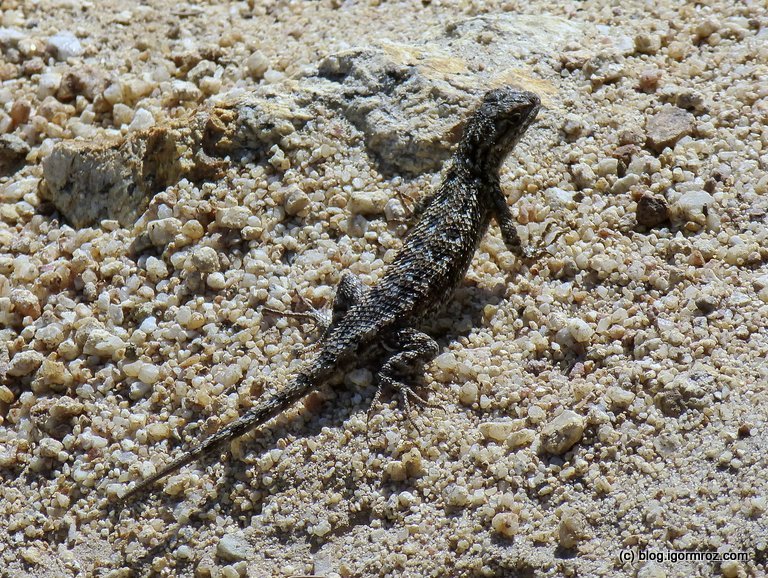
<point x="608" y="395"/>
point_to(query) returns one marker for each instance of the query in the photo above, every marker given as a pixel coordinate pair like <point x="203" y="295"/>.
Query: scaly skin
<point x="433" y="261"/>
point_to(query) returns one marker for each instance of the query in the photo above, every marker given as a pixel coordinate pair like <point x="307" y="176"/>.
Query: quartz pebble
<point x="64" y="45"/>
<point x="104" y="344"/>
<point x="562" y="433"/>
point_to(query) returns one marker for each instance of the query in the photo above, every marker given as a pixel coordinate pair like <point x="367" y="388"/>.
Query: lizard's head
<point x="495" y="127"/>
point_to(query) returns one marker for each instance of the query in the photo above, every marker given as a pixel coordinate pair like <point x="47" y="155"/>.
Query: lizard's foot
<point x="406" y="392"/>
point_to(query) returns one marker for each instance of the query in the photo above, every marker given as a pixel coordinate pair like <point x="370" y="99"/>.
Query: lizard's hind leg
<point x="413" y="348"/>
<point x="349" y="291"/>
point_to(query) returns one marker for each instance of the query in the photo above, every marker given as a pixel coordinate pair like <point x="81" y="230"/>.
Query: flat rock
<point x="667" y="127"/>
<point x="410" y="100"/>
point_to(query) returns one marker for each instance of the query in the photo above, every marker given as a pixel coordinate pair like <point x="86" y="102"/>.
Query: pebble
<point x="50" y="448"/>
<point x="156" y="268"/>
<point x="296" y="201"/>
<point x="122" y="114"/>
<point x="624" y="184"/>
<point x="232" y="217"/>
<point x="183" y="91"/>
<point x="562" y="433"/>
<point x="497" y="431"/>
<point x="468" y="394"/>
<point x="216" y="281"/>
<point x="142" y="120"/>
<point x="233" y="548"/>
<point x="647" y="43"/>
<point x="506" y="523"/>
<point x="162" y="231"/>
<point x="619" y="398"/>
<point x="256" y="65"/>
<point x="572" y="529"/>
<point x="25" y="363"/>
<point x="104" y="344"/>
<point x="693" y="207"/>
<point x="668" y="126"/>
<point x="50" y="336"/>
<point x="149" y="374"/>
<point x="652" y="211"/>
<point x="26" y="303"/>
<point x="607" y="167"/>
<point x="368" y="202"/>
<point x="520" y="438"/>
<point x="64" y="45"/>
<point x="6" y="395"/>
<point x="13" y="153"/>
<point x="580" y="330"/>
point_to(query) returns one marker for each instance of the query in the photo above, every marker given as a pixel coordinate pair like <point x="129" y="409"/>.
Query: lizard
<point x="433" y="260"/>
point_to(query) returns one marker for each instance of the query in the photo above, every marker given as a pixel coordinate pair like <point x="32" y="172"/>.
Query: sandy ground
<point x="603" y="408"/>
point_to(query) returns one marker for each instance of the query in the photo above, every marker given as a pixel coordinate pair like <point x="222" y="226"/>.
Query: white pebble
<point x="64" y="45"/>
<point x="142" y="120"/>
<point x="149" y="373"/>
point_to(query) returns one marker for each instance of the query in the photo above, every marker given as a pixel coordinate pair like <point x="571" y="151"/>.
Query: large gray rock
<point x="116" y="178"/>
<point x="410" y="101"/>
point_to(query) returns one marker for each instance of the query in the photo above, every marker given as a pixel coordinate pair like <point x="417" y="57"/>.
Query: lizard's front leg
<point x="506" y="223"/>
<point x="412" y="348"/>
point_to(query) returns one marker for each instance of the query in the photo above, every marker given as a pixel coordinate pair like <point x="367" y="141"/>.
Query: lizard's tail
<point x="254" y="417"/>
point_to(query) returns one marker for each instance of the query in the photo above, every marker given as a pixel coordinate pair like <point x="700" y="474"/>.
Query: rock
<point x="13" y="153"/>
<point x="64" y="45"/>
<point x="367" y="202"/>
<point x="652" y="211"/>
<point x="410" y="100"/>
<point x="114" y="178"/>
<point x="24" y="363"/>
<point x="233" y="548"/>
<point x="667" y="127"/>
<point x="559" y="435"/>
<point x="232" y="217"/>
<point x="693" y="206"/>
<point x="102" y="343"/>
